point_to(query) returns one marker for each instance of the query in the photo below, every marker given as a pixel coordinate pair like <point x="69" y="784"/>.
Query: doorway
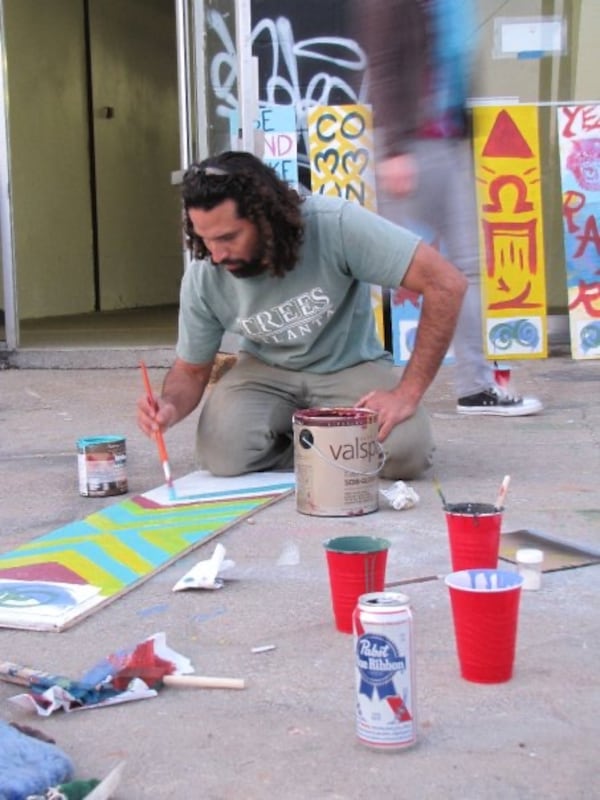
<point x="92" y="91"/>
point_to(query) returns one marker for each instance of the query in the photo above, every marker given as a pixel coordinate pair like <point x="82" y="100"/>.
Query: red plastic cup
<point x="473" y="535"/>
<point x="502" y="376"/>
<point x="356" y="566"/>
<point x="485" y="610"/>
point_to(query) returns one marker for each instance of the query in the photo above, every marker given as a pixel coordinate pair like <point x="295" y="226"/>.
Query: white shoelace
<point x="505" y="396"/>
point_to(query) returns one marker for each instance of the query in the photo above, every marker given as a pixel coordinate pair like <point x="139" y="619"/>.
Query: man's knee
<point x="408" y="466"/>
<point x="227" y="449"/>
<point x="219" y="447"/>
<point x="409" y="449"/>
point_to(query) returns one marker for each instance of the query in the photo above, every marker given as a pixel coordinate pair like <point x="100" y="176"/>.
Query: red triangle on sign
<point x="401" y="712"/>
<point x="506" y="140"/>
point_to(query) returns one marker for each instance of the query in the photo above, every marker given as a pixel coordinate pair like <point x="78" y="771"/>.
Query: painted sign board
<point x="579" y="146"/>
<point x="508" y="185"/>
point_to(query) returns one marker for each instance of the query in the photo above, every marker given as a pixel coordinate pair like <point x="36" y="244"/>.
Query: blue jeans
<point x="443" y="208"/>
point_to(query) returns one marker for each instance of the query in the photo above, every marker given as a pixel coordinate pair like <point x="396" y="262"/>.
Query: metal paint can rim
<point x="86" y="441"/>
<point x="334" y="415"/>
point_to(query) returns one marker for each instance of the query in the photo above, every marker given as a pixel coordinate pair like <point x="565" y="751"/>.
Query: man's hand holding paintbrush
<point x="154" y="415"/>
<point x="182" y="391"/>
<point x="153" y="419"/>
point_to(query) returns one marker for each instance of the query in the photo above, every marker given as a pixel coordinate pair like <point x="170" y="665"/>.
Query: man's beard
<point x="243" y="269"/>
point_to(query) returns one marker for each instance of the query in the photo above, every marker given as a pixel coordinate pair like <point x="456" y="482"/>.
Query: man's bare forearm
<point x="184" y="386"/>
<point x="442" y="287"/>
<point x="434" y="336"/>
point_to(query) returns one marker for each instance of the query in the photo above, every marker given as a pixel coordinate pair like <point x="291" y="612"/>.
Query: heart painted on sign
<point x="356" y="161"/>
<point x="327" y="158"/>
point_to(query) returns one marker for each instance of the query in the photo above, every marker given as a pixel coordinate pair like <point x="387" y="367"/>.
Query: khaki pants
<point x="245" y="424"/>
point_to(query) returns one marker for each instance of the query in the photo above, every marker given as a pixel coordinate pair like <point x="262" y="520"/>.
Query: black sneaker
<point x="500" y="402"/>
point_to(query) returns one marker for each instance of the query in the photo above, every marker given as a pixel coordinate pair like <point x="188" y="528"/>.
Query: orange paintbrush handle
<point x="160" y="443"/>
<point x="147" y="386"/>
<point x="152" y="400"/>
<point x="158" y="437"/>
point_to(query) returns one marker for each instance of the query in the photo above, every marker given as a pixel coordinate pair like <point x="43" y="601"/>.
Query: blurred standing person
<point x="420" y="55"/>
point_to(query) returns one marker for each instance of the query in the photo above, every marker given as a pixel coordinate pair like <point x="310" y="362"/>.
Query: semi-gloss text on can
<point x="386" y="700"/>
<point x="101" y="462"/>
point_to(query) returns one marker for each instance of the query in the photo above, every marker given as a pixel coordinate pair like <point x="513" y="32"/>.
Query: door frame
<point x="6" y="211"/>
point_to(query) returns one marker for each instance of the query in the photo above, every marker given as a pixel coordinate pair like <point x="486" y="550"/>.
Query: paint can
<point x="101" y="462"/>
<point x="337" y="461"/>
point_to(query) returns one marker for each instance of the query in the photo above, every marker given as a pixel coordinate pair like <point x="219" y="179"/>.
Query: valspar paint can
<point x="337" y="460"/>
<point x="102" y="466"/>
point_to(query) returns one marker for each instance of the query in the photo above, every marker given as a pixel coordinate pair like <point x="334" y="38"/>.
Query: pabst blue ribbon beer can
<point x="386" y="698"/>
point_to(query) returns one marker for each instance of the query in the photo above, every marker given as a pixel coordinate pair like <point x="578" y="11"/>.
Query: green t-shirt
<point x="319" y="316"/>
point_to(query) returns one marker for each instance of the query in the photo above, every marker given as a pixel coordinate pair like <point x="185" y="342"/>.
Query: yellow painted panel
<point x="509" y="199"/>
<point x="342" y="165"/>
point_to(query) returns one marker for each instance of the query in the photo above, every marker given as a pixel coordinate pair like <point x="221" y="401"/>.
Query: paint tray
<point x="558" y="554"/>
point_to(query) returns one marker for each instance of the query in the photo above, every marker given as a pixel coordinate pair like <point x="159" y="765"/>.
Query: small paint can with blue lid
<point x="102" y="465"/>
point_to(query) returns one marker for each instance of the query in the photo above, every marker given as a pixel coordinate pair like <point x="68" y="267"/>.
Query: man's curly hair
<point x="260" y="196"/>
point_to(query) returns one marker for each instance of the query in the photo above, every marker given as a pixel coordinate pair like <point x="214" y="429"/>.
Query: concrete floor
<point x="153" y="326"/>
<point x="290" y="734"/>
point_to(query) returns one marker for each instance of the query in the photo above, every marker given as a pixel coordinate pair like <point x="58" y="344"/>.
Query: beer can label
<point x="385" y="685"/>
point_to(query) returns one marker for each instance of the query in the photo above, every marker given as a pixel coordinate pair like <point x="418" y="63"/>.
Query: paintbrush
<point x="499" y="504"/>
<point x="160" y="442"/>
<point x="143" y="662"/>
<point x="38" y="682"/>
<point x="438" y="489"/>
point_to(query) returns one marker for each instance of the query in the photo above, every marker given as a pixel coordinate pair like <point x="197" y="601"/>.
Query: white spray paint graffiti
<point x="223" y="67"/>
<point x="332" y="56"/>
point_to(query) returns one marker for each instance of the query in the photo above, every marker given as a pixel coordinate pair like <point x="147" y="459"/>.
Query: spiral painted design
<point x="501" y="336"/>
<point x="522" y="332"/>
<point x="590" y="336"/>
<point x="15" y="595"/>
<point x="527" y="334"/>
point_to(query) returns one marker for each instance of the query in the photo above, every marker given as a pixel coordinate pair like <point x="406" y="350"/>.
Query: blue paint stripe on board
<point x="121" y="514"/>
<point x="189" y="528"/>
<point x="527" y="54"/>
<point x="271" y="489"/>
<point x="78" y="536"/>
<point x="92" y="545"/>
